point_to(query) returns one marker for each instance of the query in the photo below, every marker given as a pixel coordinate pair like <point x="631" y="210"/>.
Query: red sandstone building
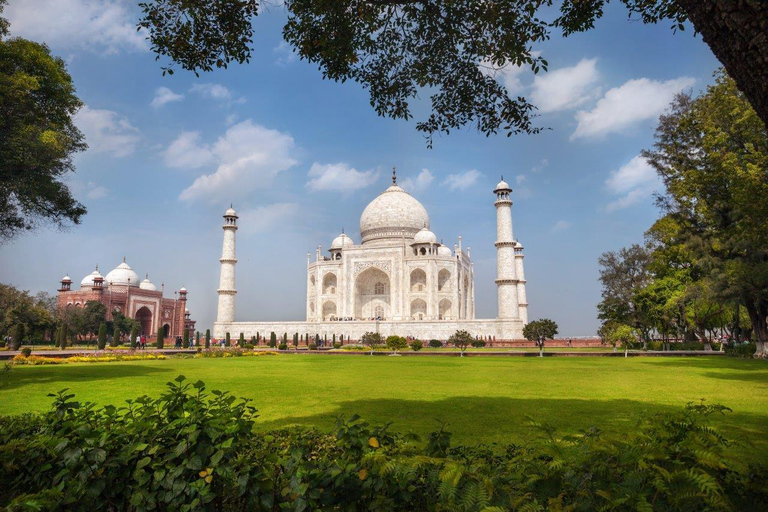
<point x="121" y="290"/>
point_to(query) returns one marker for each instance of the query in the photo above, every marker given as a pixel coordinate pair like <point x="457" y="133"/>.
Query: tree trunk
<point x="758" y="311"/>
<point x="737" y="33"/>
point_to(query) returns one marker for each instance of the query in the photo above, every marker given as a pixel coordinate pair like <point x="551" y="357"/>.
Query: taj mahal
<point x="398" y="280"/>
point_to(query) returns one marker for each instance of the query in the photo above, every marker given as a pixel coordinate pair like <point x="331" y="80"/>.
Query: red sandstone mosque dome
<point x="123" y="274"/>
<point x="87" y="281"/>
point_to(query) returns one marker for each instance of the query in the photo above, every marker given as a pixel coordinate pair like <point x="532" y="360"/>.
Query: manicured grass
<point x="483" y="399"/>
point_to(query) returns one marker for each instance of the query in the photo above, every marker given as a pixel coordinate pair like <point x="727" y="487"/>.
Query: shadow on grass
<point x="475" y="419"/>
<point x="727" y="368"/>
<point x="65" y="375"/>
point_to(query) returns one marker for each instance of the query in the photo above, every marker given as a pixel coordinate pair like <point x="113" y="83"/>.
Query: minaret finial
<point x="502" y="177"/>
<point x="123" y="259"/>
<point x="342" y="230"/>
<point x="232" y="205"/>
<point x="394" y="175"/>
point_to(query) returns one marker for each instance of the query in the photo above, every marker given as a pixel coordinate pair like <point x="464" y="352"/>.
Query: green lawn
<point x="483" y="399"/>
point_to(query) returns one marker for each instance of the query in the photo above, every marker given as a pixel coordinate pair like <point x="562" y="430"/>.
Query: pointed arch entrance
<point x="372" y="294"/>
<point x="144" y="317"/>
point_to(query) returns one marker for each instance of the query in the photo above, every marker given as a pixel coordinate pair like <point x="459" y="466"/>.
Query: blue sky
<point x="300" y="158"/>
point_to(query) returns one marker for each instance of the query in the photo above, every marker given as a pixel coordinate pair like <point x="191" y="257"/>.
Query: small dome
<point x="342" y="241"/>
<point x="123" y="274"/>
<point x="87" y="281"/>
<point x="146" y="284"/>
<point x="425" y="236"/>
<point x="502" y="185"/>
<point x="518" y="245"/>
<point x="444" y="251"/>
<point x="66" y="279"/>
<point x="183" y="290"/>
<point x="230" y="212"/>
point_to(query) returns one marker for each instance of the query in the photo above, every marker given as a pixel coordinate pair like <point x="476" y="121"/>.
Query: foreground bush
<point x="194" y="450"/>
<point x="38" y="360"/>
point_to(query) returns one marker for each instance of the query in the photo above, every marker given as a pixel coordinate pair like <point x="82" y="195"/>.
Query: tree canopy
<point x="401" y="49"/>
<point x="37" y="137"/>
<point x="706" y="259"/>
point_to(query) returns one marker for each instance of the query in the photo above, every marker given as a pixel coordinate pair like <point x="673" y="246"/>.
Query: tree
<point x="241" y="342"/>
<point x="711" y="153"/>
<point x="38" y="137"/>
<point x="207" y="338"/>
<point x="621" y="334"/>
<point x="185" y="340"/>
<point x="478" y="343"/>
<point x="62" y="340"/>
<point x="398" y="49"/>
<point x="272" y="340"/>
<point x="18" y="336"/>
<point x="134" y="335"/>
<point x="435" y="343"/>
<point x="461" y="339"/>
<point x="623" y="275"/>
<point x="416" y="345"/>
<point x="160" y="338"/>
<point x="395" y="343"/>
<point x="226" y="342"/>
<point x="102" y="339"/>
<point x="116" y="337"/>
<point x="539" y="331"/>
<point x="94" y="314"/>
<point x="371" y="339"/>
<point x="295" y="340"/>
<point x="197" y="338"/>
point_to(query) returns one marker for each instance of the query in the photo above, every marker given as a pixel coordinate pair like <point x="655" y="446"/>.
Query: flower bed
<point x="38" y="360"/>
<point x="233" y="352"/>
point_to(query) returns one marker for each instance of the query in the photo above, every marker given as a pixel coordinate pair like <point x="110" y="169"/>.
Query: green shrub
<point x="26" y="351"/>
<point x="248" y="346"/>
<point x="115" y="338"/>
<point x="134" y="335"/>
<point x="160" y="338"/>
<point x="185" y="339"/>
<point x="102" y="339"/>
<point x="227" y="341"/>
<point x="272" y="340"/>
<point x="2" y="344"/>
<point x="241" y="341"/>
<point x="478" y="343"/>
<point x="207" y="338"/>
<point x="416" y="345"/>
<point x="283" y="346"/>
<point x="337" y="344"/>
<point x="202" y="454"/>
<point x="435" y="343"/>
<point x="745" y="350"/>
<point x="312" y="346"/>
<point x="18" y="336"/>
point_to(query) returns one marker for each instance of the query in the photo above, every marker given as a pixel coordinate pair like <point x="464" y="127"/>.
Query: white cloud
<point x="284" y="54"/>
<point x="509" y="74"/>
<point x="520" y="178"/>
<point x="264" y="218"/>
<point x="247" y="156"/>
<point x="216" y="92"/>
<point x="101" y="26"/>
<point x="107" y="131"/>
<point x="540" y="166"/>
<point x="422" y="181"/>
<point x="91" y="190"/>
<point x="633" y="102"/>
<point x="339" y="177"/>
<point x="188" y="152"/>
<point x="462" y="181"/>
<point x="565" y="88"/>
<point x="164" y="95"/>
<point x="634" y="182"/>
<point x="560" y="225"/>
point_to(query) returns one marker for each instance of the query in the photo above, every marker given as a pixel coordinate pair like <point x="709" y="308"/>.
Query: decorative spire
<point x="97" y="268"/>
<point x="342" y="231"/>
<point x="147" y="276"/>
<point x="502" y="177"/>
<point x="123" y="259"/>
<point x="394" y="175"/>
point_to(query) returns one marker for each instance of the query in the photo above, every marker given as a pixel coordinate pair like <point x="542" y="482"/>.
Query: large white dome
<point x="123" y="274"/>
<point x="393" y="215"/>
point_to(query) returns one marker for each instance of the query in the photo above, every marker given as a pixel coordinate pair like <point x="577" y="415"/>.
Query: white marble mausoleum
<point x="398" y="280"/>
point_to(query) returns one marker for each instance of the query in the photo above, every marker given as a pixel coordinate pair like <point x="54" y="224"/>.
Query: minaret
<point x="506" y="277"/>
<point x="227" y="291"/>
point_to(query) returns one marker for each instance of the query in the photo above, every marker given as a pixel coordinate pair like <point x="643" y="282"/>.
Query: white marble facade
<point x="398" y="280"/>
